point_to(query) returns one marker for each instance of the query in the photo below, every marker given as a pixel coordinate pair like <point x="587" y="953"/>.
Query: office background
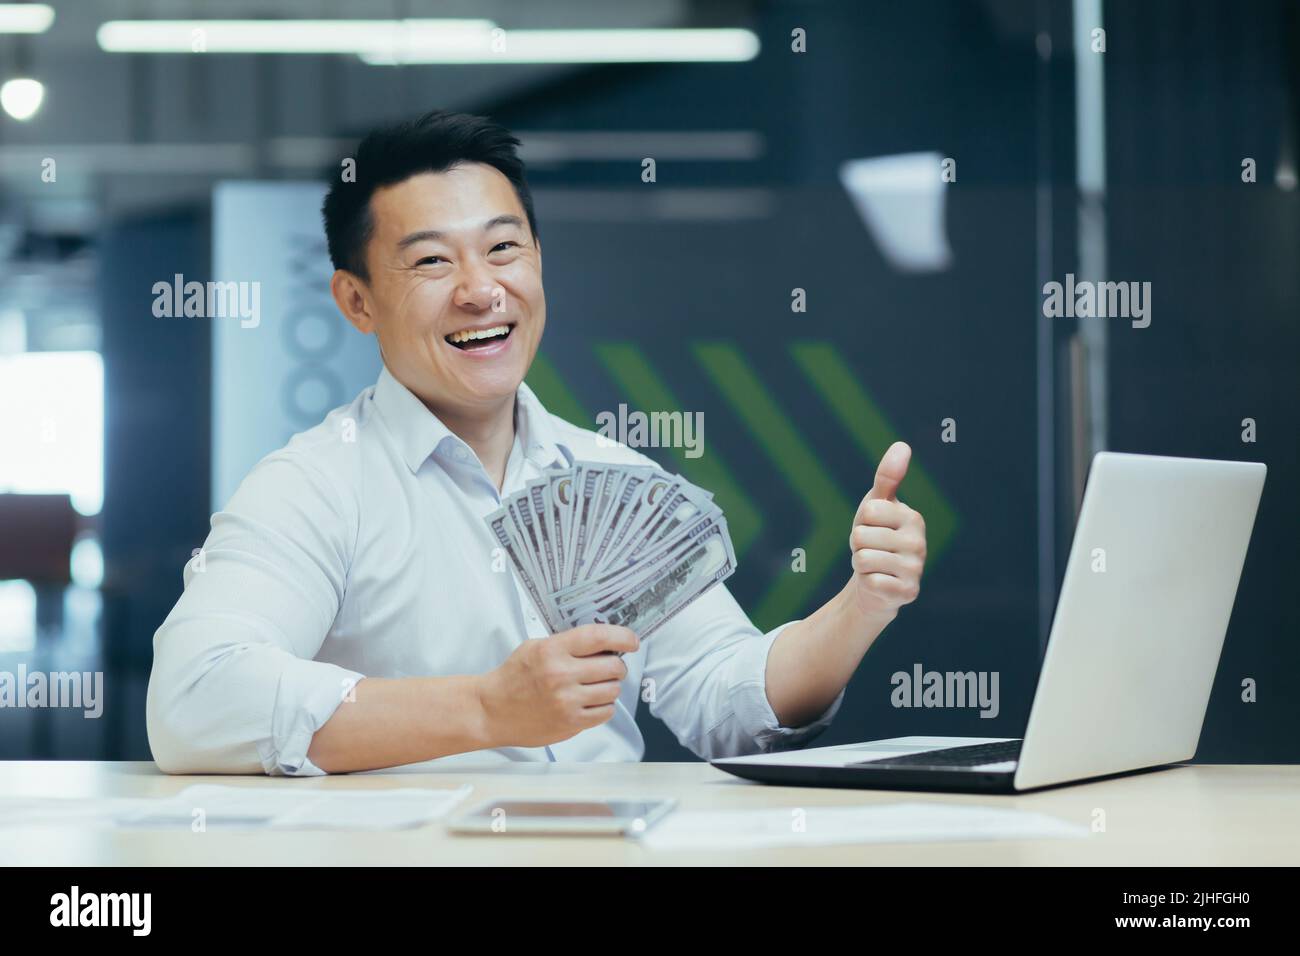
<point x="815" y="165"/>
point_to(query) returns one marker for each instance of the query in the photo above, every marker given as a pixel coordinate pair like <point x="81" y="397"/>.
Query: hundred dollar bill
<point x="521" y="531"/>
<point x="624" y="578"/>
<point x="614" y="542"/>
<point x="536" y="505"/>
<point x="680" y="508"/>
<point x="649" y="496"/>
<point x="559" y="501"/>
<point x="497" y="523"/>
<point x="620" y="512"/>
<point x="654" y="600"/>
<point x="591" y="495"/>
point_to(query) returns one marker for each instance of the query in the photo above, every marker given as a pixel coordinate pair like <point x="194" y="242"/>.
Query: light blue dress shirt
<point x="359" y="549"/>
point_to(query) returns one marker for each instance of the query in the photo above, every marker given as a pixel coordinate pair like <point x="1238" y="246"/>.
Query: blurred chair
<point x="36" y="537"/>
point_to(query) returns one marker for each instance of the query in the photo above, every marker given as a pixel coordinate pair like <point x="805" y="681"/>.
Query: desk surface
<point x="1189" y="815"/>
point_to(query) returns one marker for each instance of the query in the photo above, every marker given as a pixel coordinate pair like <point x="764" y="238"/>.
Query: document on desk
<point x="66" y="811"/>
<point x="262" y="807"/>
<point x="828" y="826"/>
<point x="297" y="808"/>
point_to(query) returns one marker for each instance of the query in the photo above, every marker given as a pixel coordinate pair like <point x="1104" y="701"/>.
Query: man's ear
<point x="352" y="296"/>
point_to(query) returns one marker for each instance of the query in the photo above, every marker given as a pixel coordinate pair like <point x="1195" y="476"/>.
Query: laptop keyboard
<point x="954" y="758"/>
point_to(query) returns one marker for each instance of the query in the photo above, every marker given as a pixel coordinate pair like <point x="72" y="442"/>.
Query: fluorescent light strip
<point x="390" y="42"/>
<point x="552" y="146"/>
<point x="311" y="153"/>
<point x="584" y="46"/>
<point x="25" y="17"/>
<point x="384" y="38"/>
<point x="138" y="159"/>
<point x="664" y="204"/>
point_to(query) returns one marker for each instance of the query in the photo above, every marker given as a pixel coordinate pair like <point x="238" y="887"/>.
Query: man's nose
<point x="477" y="288"/>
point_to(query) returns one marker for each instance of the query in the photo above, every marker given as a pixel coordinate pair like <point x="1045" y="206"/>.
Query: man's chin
<point x="475" y="381"/>
<point x="489" y="386"/>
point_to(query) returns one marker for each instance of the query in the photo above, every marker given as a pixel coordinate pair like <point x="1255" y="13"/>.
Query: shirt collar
<point x="536" y="431"/>
<point x="420" y="433"/>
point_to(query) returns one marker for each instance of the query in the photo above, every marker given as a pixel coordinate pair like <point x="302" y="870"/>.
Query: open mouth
<point x="467" y="340"/>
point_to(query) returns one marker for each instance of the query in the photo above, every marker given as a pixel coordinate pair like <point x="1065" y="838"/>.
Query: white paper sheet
<point x="827" y="826"/>
<point x="42" y="811"/>
<point x="282" y="807"/>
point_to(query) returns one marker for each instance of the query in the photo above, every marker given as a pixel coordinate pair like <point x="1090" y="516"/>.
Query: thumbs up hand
<point x="887" y="542"/>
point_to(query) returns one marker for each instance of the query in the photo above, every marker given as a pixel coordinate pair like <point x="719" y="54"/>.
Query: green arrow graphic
<point x="830" y="511"/>
<point x="644" y="389"/>
<point x="545" y="381"/>
<point x="860" y="417"/>
<point x="827" y="541"/>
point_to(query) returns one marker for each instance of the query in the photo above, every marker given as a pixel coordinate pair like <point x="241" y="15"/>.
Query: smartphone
<point x="534" y="816"/>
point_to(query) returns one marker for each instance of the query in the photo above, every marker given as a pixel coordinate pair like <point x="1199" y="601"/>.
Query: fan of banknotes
<point x="613" y="544"/>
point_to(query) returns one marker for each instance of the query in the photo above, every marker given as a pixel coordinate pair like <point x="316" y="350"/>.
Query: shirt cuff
<point x="748" y="692"/>
<point x="308" y="694"/>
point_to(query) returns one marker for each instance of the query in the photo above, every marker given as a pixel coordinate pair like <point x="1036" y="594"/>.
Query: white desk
<point x="1203" y="815"/>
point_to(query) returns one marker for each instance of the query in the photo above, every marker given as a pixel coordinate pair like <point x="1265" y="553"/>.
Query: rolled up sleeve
<point x="747" y="683"/>
<point x="308" y="694"/>
<point x="707" y="669"/>
<point x="234" y="688"/>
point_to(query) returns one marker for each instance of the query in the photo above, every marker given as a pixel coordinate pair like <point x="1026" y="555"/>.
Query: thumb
<point x="890" y="473"/>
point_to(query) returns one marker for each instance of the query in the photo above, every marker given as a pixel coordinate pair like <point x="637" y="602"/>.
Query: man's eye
<point x="430" y="260"/>
<point x="506" y="244"/>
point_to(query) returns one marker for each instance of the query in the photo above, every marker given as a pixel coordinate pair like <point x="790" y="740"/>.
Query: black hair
<point x="433" y="143"/>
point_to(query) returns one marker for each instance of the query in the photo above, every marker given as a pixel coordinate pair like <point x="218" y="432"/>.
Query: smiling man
<point x="348" y="613"/>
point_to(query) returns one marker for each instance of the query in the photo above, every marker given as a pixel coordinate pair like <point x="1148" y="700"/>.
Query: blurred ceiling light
<point x="901" y="202"/>
<point x="1285" y="176"/>
<point x="582" y="46"/>
<point x="22" y="97"/>
<point x="389" y="42"/>
<point x="25" y="17"/>
<point x="86" y="563"/>
<point x="362" y="37"/>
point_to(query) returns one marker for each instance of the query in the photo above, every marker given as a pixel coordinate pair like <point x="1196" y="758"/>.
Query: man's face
<point x="450" y="257"/>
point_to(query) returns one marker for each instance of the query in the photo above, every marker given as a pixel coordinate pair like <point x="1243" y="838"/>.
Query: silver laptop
<point x="1132" y="654"/>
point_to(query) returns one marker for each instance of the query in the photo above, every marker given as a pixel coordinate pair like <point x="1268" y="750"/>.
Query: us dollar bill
<point x="674" y="585"/>
<point x="614" y="542"/>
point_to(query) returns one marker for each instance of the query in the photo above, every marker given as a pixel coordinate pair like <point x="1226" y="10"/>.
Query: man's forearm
<point x="812" y="660"/>
<point x="399" y="721"/>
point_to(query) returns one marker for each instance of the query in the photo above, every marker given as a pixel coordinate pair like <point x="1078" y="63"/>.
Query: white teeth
<point x="469" y="335"/>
